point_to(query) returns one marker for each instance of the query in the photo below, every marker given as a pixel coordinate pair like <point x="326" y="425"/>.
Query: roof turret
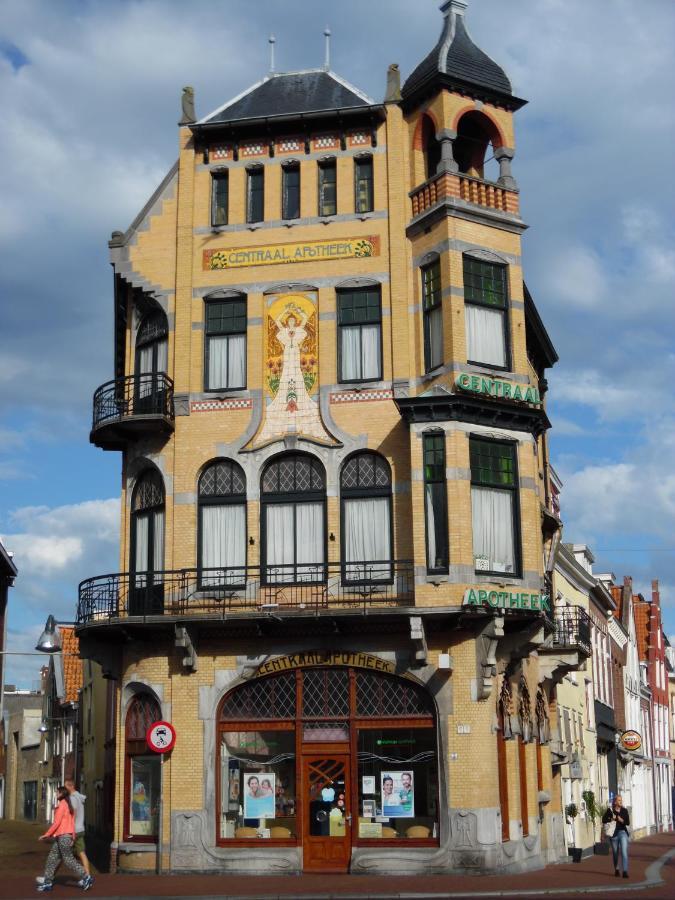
<point x="457" y="62"/>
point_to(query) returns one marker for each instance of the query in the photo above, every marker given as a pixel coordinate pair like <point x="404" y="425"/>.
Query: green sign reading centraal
<point x="496" y="387"/>
<point x="506" y="600"/>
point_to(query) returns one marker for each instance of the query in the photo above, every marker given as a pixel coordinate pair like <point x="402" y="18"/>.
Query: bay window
<point x="435" y="500"/>
<point x="360" y="335"/>
<point x="485" y="305"/>
<point x="433" y="315"/>
<point x="494" y="506"/>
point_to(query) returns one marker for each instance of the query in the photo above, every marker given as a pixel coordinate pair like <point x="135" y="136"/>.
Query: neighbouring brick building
<point x="8" y="573"/>
<point x="329" y="397"/>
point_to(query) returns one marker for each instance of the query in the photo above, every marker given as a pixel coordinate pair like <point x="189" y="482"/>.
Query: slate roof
<point x="291" y="94"/>
<point x="457" y="57"/>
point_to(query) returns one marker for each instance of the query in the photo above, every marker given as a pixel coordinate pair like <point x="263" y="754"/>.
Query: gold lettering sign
<point x="280" y="254"/>
<point x="327" y="658"/>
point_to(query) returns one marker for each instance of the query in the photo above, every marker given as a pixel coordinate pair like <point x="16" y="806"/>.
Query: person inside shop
<point x="617" y="815"/>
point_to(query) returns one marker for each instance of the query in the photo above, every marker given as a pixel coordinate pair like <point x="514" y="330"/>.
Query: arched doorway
<point x="328" y="758"/>
<point x="141" y="771"/>
<point x="146" y="596"/>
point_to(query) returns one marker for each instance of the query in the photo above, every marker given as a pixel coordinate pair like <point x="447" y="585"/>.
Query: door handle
<point x="348" y="818"/>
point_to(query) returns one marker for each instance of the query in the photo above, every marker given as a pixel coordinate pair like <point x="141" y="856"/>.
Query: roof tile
<point x="72" y="664"/>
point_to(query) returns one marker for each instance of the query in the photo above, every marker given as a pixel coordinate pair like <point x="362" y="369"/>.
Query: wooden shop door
<point x="327" y="828"/>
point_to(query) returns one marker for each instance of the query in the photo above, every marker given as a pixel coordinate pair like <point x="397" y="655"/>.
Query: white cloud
<point x="577" y="277"/>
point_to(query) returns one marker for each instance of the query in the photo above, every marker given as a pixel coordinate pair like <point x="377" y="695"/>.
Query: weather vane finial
<point x="326" y="33"/>
<point x="272" y="41"/>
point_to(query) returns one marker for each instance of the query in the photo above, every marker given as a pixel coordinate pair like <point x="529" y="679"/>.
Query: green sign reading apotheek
<point x="496" y="387"/>
<point x="506" y="600"/>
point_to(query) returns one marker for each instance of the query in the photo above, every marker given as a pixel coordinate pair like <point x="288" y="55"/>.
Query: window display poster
<point x="259" y="795"/>
<point x="369" y="810"/>
<point x="398" y="794"/>
<point x="144" y="796"/>
<point x="368" y="784"/>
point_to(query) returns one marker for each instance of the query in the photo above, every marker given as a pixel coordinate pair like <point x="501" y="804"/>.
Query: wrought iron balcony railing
<point x="572" y="629"/>
<point x="274" y="589"/>
<point x="125" y="404"/>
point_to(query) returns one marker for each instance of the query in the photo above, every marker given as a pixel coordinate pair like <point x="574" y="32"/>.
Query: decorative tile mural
<point x="291" y="375"/>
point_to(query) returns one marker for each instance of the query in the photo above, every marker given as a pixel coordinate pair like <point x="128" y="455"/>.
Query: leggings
<point x="62" y="849"/>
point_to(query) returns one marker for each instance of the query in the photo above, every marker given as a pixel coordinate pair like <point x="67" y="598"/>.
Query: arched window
<point x="151" y="362"/>
<point x="365" y="489"/>
<point x="432" y="148"/>
<point x="475" y="133"/>
<point x="222" y="524"/>
<point x="382" y="761"/>
<point x="293" y="499"/>
<point x="141" y="771"/>
<point x="147" y="545"/>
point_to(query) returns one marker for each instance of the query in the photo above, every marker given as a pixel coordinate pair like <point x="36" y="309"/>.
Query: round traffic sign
<point x="161" y="736"/>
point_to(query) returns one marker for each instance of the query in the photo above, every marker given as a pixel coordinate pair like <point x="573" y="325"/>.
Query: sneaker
<point x="45" y="887"/>
<point x="40" y="879"/>
<point x="625" y="874"/>
<point x="86" y="882"/>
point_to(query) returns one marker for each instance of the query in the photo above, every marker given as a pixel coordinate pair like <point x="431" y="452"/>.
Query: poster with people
<point x="398" y="794"/>
<point x="259" y="795"/>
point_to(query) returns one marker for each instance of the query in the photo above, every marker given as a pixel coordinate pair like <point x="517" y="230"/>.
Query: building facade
<point x="8" y="573"/>
<point x="329" y="397"/>
<point x="21" y="757"/>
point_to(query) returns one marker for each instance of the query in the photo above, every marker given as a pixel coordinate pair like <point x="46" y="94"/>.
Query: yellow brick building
<point x="329" y="397"/>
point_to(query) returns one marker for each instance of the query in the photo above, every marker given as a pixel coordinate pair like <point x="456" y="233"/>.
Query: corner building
<point x="329" y="397"/>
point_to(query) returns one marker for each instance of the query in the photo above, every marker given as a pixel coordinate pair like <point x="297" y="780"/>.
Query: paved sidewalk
<point x="652" y="876"/>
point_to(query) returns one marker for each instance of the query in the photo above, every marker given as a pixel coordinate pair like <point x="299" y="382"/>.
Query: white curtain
<point x="158" y="544"/>
<point x="351" y="353"/>
<point x="492" y="512"/>
<point x="485" y="335"/>
<point x="435" y="337"/>
<point x="162" y="356"/>
<point x="223" y="544"/>
<point x="370" y="350"/>
<point x="227" y="361"/>
<point x="144" y="369"/>
<point x="367" y="537"/>
<point x="309" y="541"/>
<point x="280" y="541"/>
<point x="431" y="528"/>
<point x="236" y="361"/>
<point x="217" y="362"/>
<point x="141" y="531"/>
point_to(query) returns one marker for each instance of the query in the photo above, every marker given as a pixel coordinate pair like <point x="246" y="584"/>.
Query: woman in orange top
<point x="63" y="831"/>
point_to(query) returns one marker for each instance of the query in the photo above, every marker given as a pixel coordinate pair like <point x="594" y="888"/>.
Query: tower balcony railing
<point x="221" y="592"/>
<point x="475" y="191"/>
<point x="129" y="406"/>
<point x="572" y="629"/>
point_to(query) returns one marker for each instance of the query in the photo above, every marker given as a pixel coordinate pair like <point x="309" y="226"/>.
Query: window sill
<point x="366" y="384"/>
<point x="489" y="367"/>
<point x="227" y="393"/>
<point x="483" y="577"/>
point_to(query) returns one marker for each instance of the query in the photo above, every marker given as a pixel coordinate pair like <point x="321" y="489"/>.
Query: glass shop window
<point x="144" y="796"/>
<point x="257" y="785"/>
<point x="397" y="783"/>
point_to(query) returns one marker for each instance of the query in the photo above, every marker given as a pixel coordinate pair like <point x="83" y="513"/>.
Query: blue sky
<point x="90" y="98"/>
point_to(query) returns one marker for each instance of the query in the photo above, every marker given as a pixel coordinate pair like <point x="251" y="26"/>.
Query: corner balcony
<point x="570" y="643"/>
<point x="279" y="591"/>
<point x="131" y="407"/>
<point x="464" y="194"/>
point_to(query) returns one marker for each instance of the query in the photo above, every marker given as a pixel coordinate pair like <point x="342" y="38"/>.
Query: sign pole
<point x="160" y="824"/>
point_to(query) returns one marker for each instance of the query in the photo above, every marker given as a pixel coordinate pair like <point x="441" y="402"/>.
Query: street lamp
<point x="50" y="640"/>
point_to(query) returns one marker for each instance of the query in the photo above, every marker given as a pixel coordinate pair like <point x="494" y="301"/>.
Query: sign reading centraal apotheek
<point x="506" y="600"/>
<point x="326" y="658"/>
<point x="279" y="254"/>
<point x="497" y="387"/>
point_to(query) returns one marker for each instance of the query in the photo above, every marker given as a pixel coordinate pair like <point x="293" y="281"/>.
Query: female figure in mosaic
<point x="292" y="410"/>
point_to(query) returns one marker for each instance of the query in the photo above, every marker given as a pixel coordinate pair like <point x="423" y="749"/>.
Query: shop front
<point x="326" y="759"/>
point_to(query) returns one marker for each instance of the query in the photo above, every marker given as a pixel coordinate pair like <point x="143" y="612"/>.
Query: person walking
<point x="618" y="815"/>
<point x="63" y="832"/>
<point x="77" y="803"/>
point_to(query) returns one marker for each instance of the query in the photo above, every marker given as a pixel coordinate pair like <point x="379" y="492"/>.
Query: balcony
<point x="129" y="407"/>
<point x="245" y="591"/>
<point x="458" y="190"/>
<point x="572" y="630"/>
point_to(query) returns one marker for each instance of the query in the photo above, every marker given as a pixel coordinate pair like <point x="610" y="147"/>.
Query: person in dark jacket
<point x="618" y="814"/>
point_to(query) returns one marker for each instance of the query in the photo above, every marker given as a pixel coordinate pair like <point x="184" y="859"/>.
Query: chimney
<point x="393" y="93"/>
